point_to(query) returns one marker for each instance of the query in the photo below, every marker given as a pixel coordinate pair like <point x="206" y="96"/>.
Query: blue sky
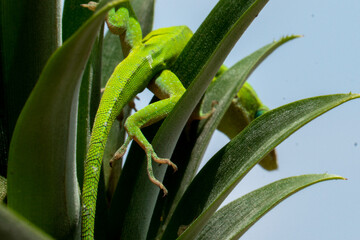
<point x="324" y="61"/>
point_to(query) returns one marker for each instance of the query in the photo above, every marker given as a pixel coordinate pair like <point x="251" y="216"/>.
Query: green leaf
<point x="225" y="170"/>
<point x="74" y="16"/>
<point x="234" y="219"/>
<point x="200" y="60"/>
<point x="111" y="56"/>
<point x="23" y="56"/>
<point x="88" y="103"/>
<point x="13" y="227"/>
<point x="42" y="183"/>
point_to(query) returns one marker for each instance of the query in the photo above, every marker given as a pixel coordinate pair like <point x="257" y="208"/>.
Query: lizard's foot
<point x="199" y="115"/>
<point x="151" y="155"/>
<point x="150" y="172"/>
<point x="120" y="152"/>
<point x="157" y="183"/>
<point x="208" y="114"/>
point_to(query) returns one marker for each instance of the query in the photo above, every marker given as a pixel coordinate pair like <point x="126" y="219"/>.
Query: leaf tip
<point x="335" y="177"/>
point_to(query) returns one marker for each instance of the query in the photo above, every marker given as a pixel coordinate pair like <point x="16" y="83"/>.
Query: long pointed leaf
<point x="188" y="154"/>
<point x="200" y="60"/>
<point x="29" y="34"/>
<point x="42" y="183"/>
<point x="225" y="170"/>
<point x="234" y="219"/>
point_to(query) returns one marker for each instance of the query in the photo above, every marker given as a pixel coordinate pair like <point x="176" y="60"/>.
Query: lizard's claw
<point x="90" y="5"/>
<point x="120" y="152"/>
<point x="159" y="184"/>
<point x="151" y="155"/>
<point x="164" y="161"/>
<point x="115" y="158"/>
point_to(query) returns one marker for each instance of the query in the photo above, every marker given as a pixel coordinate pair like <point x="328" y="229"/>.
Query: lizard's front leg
<point x="168" y="88"/>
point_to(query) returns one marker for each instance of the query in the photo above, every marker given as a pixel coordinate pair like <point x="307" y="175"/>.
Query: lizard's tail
<point x="92" y="170"/>
<point x="89" y="194"/>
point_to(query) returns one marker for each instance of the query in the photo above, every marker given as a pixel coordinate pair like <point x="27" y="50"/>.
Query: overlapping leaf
<point x="42" y="183"/>
<point x="226" y="168"/>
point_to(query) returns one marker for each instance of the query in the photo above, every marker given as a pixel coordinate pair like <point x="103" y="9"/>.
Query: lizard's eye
<point x="260" y="112"/>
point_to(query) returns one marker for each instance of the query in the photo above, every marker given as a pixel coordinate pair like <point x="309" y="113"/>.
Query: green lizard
<point x="145" y="65"/>
<point x="147" y="58"/>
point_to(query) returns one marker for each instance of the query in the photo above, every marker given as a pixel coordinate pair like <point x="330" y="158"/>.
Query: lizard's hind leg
<point x="168" y="88"/>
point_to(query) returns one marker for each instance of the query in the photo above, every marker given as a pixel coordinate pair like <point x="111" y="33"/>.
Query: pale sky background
<point x="324" y="61"/>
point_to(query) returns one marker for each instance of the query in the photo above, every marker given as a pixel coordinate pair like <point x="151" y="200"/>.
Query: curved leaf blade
<point x="73" y="17"/>
<point x="234" y="219"/>
<point x="42" y="183"/>
<point x="225" y="170"/>
<point x="12" y="227"/>
<point x="27" y="42"/>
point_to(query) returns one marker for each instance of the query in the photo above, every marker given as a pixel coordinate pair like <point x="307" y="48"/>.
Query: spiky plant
<point x="49" y="138"/>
